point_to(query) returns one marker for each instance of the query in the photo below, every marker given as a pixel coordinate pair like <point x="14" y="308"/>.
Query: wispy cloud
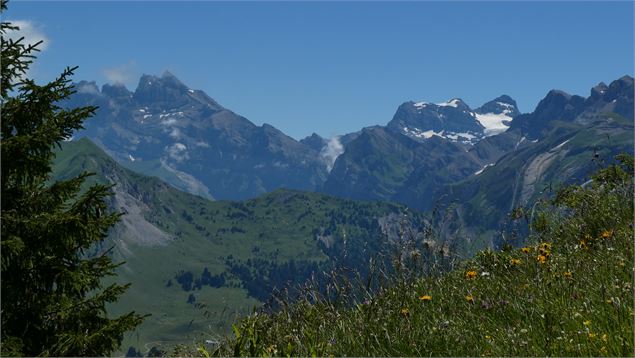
<point x="331" y="151"/>
<point x="31" y="32"/>
<point x="123" y="74"/>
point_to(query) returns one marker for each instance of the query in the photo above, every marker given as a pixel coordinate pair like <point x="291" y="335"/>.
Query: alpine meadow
<point x="143" y="217"/>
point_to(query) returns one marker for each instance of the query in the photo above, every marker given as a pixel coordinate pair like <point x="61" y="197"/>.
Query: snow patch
<point x="463" y="137"/>
<point x="493" y="123"/>
<point x="191" y="91"/>
<point x="131" y="158"/>
<point x="420" y="104"/>
<point x="561" y="144"/>
<point x="451" y="103"/>
<point x="481" y="170"/>
<point x="508" y="107"/>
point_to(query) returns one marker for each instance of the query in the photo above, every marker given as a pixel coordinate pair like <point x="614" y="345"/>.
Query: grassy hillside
<point x="567" y="292"/>
<point x="195" y="264"/>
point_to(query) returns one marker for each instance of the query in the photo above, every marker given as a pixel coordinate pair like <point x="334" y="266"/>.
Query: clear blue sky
<point x="333" y="68"/>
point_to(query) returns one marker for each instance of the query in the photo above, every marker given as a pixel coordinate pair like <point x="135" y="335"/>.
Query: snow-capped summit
<point x="496" y="115"/>
<point x="454" y="120"/>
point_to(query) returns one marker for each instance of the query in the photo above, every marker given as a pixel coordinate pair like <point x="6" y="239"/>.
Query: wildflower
<point x="586" y="323"/>
<point x="469" y="298"/>
<point x="583" y="244"/>
<point x="515" y="262"/>
<point x="603" y="350"/>
<point x="525" y="250"/>
<point x="425" y="298"/>
<point x="272" y="349"/>
<point x="567" y="275"/>
<point x="605" y="337"/>
<point x="484" y="273"/>
<point x="470" y="275"/>
<point x="545" y="246"/>
<point x="541" y="258"/>
<point x="488" y="337"/>
<point x="592" y="335"/>
<point x="405" y="312"/>
<point x="607" y="233"/>
<point x="609" y="301"/>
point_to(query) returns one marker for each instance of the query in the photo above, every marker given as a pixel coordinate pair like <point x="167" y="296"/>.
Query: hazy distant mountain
<point x="424" y="147"/>
<point x="615" y="98"/>
<point x="186" y="138"/>
<point x="183" y="136"/>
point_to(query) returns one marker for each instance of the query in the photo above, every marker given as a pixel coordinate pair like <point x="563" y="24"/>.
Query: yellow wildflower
<point x="607" y="233"/>
<point x="545" y="246"/>
<point x="609" y="301"/>
<point x="586" y="323"/>
<point x="567" y="275"/>
<point x="525" y="250"/>
<point x="583" y="244"/>
<point x="541" y="258"/>
<point x="405" y="312"/>
<point x="592" y="335"/>
<point x="603" y="350"/>
<point x="469" y="298"/>
<point x="426" y="298"/>
<point x="470" y="275"/>
<point x="605" y="338"/>
<point x="515" y="262"/>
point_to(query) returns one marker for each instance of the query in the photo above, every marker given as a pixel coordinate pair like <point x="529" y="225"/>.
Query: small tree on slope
<point x="53" y="301"/>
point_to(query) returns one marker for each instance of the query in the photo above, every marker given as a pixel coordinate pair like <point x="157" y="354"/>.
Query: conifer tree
<point x="53" y="298"/>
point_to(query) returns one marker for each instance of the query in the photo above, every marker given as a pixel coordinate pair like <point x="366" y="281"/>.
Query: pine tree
<point x="53" y="298"/>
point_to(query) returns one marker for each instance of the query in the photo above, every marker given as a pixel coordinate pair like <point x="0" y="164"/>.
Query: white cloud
<point x="175" y="133"/>
<point x="331" y="151"/>
<point x="31" y="32"/>
<point x="122" y="75"/>
<point x="88" y="88"/>
<point x="178" y="152"/>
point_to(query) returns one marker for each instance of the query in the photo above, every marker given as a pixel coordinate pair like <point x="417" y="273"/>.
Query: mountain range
<point x="302" y="205"/>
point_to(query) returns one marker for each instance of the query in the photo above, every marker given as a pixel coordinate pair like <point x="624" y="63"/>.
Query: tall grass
<point x="568" y="292"/>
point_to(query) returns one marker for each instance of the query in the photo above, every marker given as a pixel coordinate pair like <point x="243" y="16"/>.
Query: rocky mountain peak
<point x="503" y="104"/>
<point x="116" y="90"/>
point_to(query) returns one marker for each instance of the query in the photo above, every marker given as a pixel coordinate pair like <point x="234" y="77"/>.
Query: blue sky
<point x="336" y="67"/>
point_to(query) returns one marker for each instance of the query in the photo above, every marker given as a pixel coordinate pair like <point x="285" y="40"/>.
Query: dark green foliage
<point x="53" y="302"/>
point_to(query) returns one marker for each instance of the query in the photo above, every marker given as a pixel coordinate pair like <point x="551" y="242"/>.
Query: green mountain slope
<point x="194" y="263"/>
<point x="568" y="154"/>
